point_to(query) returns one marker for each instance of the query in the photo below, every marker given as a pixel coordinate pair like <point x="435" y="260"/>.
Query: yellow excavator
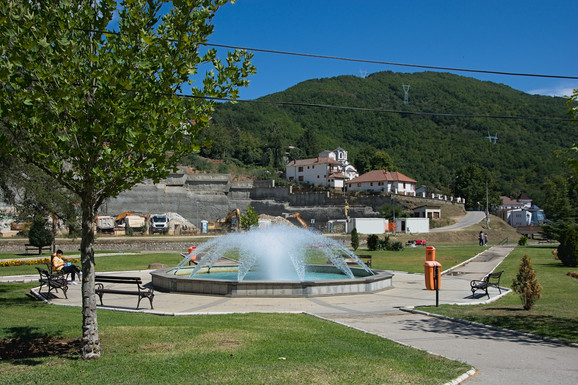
<point x="299" y="219"/>
<point x="232" y="222"/>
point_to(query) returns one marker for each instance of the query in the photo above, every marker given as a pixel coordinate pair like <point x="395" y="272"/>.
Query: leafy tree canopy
<point x="99" y="110"/>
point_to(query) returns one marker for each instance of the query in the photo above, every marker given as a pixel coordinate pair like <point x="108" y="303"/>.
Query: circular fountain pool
<point x="272" y="262"/>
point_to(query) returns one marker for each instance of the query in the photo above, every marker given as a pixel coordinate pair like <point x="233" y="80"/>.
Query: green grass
<point x="118" y="262"/>
<point x="219" y="349"/>
<point x="412" y="259"/>
<point x="555" y="315"/>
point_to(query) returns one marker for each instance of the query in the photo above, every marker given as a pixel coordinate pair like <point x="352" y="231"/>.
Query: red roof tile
<point x="382" y="176"/>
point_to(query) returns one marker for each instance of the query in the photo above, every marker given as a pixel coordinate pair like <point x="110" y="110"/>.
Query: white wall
<point x="367" y="225"/>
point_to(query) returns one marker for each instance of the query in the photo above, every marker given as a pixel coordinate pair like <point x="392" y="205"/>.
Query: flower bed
<point x="38" y="261"/>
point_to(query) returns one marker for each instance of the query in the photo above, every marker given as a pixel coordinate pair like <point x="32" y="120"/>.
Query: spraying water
<point x="279" y="252"/>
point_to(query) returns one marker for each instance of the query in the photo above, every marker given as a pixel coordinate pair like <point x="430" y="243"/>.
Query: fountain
<point x="272" y="262"/>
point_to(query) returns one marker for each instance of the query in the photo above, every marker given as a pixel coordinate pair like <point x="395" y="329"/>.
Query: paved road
<point x="471" y="218"/>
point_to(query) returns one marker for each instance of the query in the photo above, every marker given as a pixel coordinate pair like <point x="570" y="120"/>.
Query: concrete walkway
<point x="500" y="357"/>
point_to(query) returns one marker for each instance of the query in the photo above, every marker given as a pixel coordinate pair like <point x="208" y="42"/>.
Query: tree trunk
<point x="90" y="341"/>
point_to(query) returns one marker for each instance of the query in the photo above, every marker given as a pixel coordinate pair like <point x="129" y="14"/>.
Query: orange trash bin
<point x="430" y="253"/>
<point x="430" y="274"/>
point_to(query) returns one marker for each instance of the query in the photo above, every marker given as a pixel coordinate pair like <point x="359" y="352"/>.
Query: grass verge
<point x="218" y="349"/>
<point x="552" y="316"/>
<point x="410" y="259"/>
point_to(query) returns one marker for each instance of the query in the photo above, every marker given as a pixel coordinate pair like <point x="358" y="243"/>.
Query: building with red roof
<point x="383" y="181"/>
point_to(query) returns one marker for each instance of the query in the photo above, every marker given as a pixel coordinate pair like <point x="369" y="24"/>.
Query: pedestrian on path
<point x="485" y="239"/>
<point x="481" y="238"/>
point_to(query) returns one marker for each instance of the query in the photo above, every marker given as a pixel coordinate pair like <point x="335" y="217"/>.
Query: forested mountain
<point x="428" y="148"/>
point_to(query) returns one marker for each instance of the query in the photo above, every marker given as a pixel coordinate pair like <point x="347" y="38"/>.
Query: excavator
<point x="231" y="223"/>
<point x="131" y="219"/>
<point x="299" y="219"/>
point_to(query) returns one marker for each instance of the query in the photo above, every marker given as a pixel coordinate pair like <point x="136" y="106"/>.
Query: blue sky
<point x="536" y="37"/>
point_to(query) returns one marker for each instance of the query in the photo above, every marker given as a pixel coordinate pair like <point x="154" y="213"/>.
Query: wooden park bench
<point x="365" y="259"/>
<point x="490" y="280"/>
<point x="29" y="247"/>
<point x="138" y="289"/>
<point x="54" y="281"/>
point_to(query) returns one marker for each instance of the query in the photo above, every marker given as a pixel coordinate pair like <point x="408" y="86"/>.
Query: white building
<point x="330" y="168"/>
<point x="383" y="181"/>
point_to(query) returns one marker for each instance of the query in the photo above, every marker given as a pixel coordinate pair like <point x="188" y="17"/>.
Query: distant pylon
<point x="405" y="91"/>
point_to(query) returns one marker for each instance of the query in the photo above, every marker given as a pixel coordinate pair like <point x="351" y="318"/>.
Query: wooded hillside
<point x="428" y="148"/>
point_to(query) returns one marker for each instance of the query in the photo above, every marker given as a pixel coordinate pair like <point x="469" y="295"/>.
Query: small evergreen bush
<point x="39" y="235"/>
<point x="354" y="239"/>
<point x="526" y="283"/>
<point x="372" y="242"/>
<point x="522" y="241"/>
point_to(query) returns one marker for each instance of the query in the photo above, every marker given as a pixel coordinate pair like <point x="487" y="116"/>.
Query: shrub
<point x="568" y="248"/>
<point x="522" y="241"/>
<point x="354" y="239"/>
<point x="372" y="242"/>
<point x="39" y="235"/>
<point x="526" y="283"/>
<point x="396" y="246"/>
<point x="250" y="219"/>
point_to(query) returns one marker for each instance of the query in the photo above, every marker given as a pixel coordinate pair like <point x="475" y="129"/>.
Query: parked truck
<point x="159" y="223"/>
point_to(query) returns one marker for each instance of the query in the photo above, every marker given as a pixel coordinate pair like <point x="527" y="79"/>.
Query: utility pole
<point x="487" y="209"/>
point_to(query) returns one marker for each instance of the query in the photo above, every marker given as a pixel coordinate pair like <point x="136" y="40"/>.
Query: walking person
<point x="481" y="238"/>
<point x="485" y="239"/>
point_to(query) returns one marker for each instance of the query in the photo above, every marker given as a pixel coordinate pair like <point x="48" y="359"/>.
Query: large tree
<point x="91" y="94"/>
<point x="475" y="184"/>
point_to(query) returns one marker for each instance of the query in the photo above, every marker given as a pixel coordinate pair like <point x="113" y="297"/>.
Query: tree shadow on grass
<point x="510" y="318"/>
<point x="26" y="343"/>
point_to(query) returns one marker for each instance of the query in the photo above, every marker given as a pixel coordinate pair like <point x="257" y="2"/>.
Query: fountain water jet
<point x="277" y="255"/>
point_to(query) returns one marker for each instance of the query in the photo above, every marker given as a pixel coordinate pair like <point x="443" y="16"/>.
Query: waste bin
<point x="430" y="253"/>
<point x="192" y="254"/>
<point x="430" y="275"/>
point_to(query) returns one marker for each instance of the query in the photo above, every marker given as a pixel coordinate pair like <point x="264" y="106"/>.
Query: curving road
<point x="471" y="218"/>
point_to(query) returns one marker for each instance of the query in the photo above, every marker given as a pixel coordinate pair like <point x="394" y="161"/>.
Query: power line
<point x="378" y="110"/>
<point x="391" y="63"/>
<point x="317" y="56"/>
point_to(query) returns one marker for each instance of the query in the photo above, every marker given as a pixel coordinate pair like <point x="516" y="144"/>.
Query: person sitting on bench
<point x="58" y="264"/>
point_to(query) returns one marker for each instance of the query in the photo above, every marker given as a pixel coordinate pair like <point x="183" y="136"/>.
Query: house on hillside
<point x="330" y="168"/>
<point x="520" y="211"/>
<point x="382" y="181"/>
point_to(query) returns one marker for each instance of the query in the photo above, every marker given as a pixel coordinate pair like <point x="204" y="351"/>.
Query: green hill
<point x="428" y="148"/>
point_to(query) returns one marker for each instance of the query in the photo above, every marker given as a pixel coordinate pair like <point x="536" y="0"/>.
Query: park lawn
<point x="208" y="349"/>
<point x="117" y="262"/>
<point x="555" y="315"/>
<point x="412" y="259"/>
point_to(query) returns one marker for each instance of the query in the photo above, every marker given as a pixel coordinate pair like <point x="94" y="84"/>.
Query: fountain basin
<point x="166" y="280"/>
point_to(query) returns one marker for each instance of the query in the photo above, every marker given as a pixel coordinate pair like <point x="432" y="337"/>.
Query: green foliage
<point x="369" y="158"/>
<point x="418" y="145"/>
<point x="568" y="248"/>
<point x="372" y="242"/>
<point x="390" y="211"/>
<point x="110" y="115"/>
<point x="557" y="206"/>
<point x="249" y="219"/>
<point x="39" y="235"/>
<point x="355" y="239"/>
<point x="470" y="183"/>
<point x="522" y="241"/>
<point x="526" y="283"/>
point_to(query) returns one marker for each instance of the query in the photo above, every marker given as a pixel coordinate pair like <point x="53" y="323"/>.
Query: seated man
<point x="58" y="264"/>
